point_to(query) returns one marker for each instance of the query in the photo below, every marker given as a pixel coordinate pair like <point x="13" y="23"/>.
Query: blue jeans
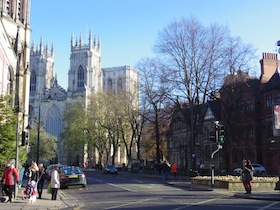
<point x="164" y="176"/>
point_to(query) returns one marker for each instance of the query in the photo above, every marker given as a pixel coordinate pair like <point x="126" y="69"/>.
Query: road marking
<point x="138" y="181"/>
<point x="132" y="203"/>
<point x="196" y="204"/>
<point x="120" y="187"/>
<point x="98" y="180"/>
<point x="267" y="206"/>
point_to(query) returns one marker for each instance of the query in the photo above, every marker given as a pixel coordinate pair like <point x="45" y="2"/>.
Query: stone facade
<point x="85" y="77"/>
<point x="15" y="55"/>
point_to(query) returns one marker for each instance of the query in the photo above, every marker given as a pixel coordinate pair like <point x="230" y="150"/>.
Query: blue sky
<point x="128" y="28"/>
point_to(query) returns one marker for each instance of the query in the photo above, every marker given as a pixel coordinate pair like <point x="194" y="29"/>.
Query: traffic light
<point x="212" y="136"/>
<point x="24" y="138"/>
<point x="221" y="134"/>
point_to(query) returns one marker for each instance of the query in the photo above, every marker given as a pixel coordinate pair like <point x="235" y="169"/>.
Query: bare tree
<point x="199" y="57"/>
<point x="154" y="95"/>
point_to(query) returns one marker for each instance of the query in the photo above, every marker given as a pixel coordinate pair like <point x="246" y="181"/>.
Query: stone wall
<point x="238" y="185"/>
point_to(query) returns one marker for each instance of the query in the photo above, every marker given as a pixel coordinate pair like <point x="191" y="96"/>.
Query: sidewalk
<point x="257" y="195"/>
<point x="45" y="203"/>
<point x="184" y="182"/>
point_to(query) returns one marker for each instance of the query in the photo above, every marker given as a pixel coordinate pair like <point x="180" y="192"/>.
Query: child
<point x="30" y="192"/>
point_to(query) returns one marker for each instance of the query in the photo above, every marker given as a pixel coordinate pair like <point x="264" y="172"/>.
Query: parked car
<point x="49" y="170"/>
<point x="110" y="169"/>
<point x="70" y="176"/>
<point x="259" y="170"/>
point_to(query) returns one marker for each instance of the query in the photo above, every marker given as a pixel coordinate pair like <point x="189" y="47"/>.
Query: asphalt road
<point x="132" y="191"/>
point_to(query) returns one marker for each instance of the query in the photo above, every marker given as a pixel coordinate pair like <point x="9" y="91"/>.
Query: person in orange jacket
<point x="174" y="170"/>
<point x="10" y="176"/>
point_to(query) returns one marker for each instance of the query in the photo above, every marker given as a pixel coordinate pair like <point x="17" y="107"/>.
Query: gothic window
<point x="268" y="101"/>
<point x="33" y="82"/>
<point x="110" y="85"/>
<point x="249" y="105"/>
<point x="208" y="114"/>
<point x="81" y="77"/>
<point x="54" y="122"/>
<point x="120" y="84"/>
<point x="241" y="106"/>
<point x="251" y="132"/>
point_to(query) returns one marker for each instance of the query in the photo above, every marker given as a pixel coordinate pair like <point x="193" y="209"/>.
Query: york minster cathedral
<point x="48" y="100"/>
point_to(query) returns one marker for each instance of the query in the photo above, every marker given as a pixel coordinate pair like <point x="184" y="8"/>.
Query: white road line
<point x="120" y="187"/>
<point x="196" y="204"/>
<point x="98" y="180"/>
<point x="138" y="181"/>
<point x="132" y="203"/>
<point x="267" y="206"/>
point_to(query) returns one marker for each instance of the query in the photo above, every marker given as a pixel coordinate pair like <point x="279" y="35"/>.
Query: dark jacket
<point x="32" y="175"/>
<point x="41" y="175"/>
<point x="165" y="168"/>
<point x="247" y="173"/>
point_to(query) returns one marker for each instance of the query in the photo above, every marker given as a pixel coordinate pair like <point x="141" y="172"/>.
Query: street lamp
<point x="38" y="134"/>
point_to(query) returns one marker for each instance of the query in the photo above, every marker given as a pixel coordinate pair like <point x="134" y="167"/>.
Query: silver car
<point x="259" y="170"/>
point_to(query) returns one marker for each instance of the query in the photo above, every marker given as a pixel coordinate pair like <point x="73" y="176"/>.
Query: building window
<point x="251" y="133"/>
<point x="110" y="85"/>
<point x="33" y="83"/>
<point x="81" y="77"/>
<point x="120" y="84"/>
<point x="54" y="122"/>
<point x="241" y="106"/>
<point x="249" y="106"/>
<point x="268" y="101"/>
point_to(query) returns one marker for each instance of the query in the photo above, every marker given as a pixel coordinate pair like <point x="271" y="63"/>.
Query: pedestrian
<point x="9" y="177"/>
<point x="32" y="173"/>
<point x="21" y="174"/>
<point x="174" y="170"/>
<point x="55" y="184"/>
<point x="41" y="179"/>
<point x="165" y="171"/>
<point x="247" y="176"/>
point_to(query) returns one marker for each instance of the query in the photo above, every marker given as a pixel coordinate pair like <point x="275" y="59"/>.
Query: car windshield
<point x="72" y="170"/>
<point x="111" y="166"/>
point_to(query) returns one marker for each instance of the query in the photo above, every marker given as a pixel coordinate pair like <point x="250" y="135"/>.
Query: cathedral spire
<point x="99" y="43"/>
<point x="47" y="49"/>
<point x="41" y="46"/>
<point x="52" y="50"/>
<point x="90" y="38"/>
<point x="81" y="40"/>
<point x="33" y="47"/>
<point x="72" y="40"/>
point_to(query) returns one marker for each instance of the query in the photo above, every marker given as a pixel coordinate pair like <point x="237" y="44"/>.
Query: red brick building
<point x="246" y="109"/>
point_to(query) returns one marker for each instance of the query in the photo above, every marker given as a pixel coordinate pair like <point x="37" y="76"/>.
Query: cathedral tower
<point x="84" y="76"/>
<point x="42" y="69"/>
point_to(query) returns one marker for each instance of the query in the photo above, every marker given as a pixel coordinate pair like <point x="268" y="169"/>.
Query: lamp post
<point x="38" y="133"/>
<point x="17" y="157"/>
